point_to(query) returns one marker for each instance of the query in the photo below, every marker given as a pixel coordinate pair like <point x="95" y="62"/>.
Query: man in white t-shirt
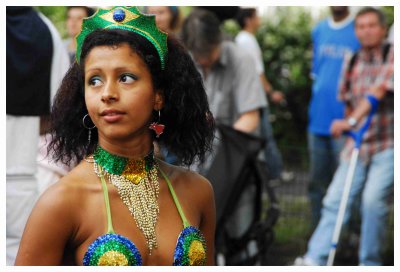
<point x="249" y="22"/>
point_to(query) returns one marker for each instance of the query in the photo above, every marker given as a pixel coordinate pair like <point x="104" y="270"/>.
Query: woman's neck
<point x="134" y="149"/>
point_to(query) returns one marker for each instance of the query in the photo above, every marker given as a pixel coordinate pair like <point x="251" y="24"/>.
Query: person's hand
<point x="338" y="127"/>
<point x="378" y="91"/>
<point x="277" y="97"/>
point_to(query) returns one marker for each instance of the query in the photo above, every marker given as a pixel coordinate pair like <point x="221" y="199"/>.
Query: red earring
<point x="158" y="128"/>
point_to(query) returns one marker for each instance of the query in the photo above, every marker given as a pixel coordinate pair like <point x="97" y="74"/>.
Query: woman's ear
<point x="159" y="100"/>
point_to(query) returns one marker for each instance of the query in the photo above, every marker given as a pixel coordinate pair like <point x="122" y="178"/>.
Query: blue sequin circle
<point x="109" y="240"/>
<point x="186" y="237"/>
<point x="119" y="15"/>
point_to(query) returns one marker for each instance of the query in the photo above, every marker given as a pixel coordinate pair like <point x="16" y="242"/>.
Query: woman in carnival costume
<point x="130" y="85"/>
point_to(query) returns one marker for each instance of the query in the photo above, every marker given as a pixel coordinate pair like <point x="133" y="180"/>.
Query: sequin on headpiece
<point x="125" y="18"/>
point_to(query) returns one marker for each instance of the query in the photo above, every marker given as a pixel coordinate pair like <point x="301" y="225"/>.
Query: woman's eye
<point x="127" y="78"/>
<point x="94" y="81"/>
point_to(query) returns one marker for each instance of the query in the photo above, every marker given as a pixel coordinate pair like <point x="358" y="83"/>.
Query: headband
<point x="125" y="18"/>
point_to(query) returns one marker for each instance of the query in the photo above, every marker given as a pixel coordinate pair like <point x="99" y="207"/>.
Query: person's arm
<point x="362" y="110"/>
<point x="248" y="94"/>
<point x="276" y="96"/>
<point x="253" y="50"/>
<point x="248" y="121"/>
<point x="48" y="229"/>
<point x="383" y="84"/>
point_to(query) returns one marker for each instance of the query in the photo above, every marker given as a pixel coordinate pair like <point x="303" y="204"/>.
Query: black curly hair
<point x="189" y="124"/>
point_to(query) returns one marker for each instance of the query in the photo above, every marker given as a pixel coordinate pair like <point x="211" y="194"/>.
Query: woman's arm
<point x="48" y="229"/>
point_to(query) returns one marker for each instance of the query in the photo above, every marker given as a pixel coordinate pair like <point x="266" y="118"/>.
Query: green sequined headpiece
<point x="125" y="18"/>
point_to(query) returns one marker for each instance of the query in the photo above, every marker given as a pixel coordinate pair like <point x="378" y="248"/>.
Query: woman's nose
<point x="110" y="93"/>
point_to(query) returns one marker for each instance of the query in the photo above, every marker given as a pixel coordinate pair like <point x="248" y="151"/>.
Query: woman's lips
<point x="112" y="116"/>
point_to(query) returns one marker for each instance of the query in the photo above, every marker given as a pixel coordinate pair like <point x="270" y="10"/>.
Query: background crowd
<point x="279" y="79"/>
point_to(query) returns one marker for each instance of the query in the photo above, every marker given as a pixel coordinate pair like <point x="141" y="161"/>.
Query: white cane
<point x="343" y="205"/>
<point x="357" y="136"/>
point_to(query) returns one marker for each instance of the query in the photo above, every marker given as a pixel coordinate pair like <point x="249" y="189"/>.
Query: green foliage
<point x="389" y="13"/>
<point x="286" y="46"/>
<point x="185" y="10"/>
<point x="231" y="27"/>
<point x="57" y="15"/>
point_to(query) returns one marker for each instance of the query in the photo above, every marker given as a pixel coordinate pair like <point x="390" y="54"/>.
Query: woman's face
<point x="74" y="20"/>
<point x="163" y="17"/>
<point x="119" y="93"/>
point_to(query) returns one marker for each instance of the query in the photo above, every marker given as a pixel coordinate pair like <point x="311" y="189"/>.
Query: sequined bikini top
<point x="114" y="249"/>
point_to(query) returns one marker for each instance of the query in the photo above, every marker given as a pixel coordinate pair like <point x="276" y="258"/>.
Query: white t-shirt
<point x="248" y="42"/>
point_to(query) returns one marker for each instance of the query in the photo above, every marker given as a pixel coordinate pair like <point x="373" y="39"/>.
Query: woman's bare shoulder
<point x="54" y="220"/>
<point x="193" y="183"/>
<point x="61" y="201"/>
<point x="70" y="189"/>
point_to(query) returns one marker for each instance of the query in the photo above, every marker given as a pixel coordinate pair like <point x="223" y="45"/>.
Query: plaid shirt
<point x="370" y="70"/>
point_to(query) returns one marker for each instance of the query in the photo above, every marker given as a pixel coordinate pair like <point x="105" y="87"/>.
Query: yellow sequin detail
<point x="197" y="254"/>
<point x="113" y="258"/>
<point x="135" y="171"/>
<point x="129" y="16"/>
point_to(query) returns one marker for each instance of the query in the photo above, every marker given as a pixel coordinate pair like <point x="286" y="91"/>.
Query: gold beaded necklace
<point x="137" y="183"/>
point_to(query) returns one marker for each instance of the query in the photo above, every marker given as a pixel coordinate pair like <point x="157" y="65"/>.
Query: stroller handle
<point x="358" y="135"/>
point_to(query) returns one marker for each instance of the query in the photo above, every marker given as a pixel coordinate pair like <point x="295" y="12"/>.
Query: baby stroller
<point x="236" y="168"/>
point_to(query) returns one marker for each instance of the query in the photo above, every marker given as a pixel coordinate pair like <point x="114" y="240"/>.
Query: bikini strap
<point x="177" y="204"/>
<point x="110" y="228"/>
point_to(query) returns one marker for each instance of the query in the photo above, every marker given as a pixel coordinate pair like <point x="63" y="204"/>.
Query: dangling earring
<point x="88" y="128"/>
<point x="157" y="127"/>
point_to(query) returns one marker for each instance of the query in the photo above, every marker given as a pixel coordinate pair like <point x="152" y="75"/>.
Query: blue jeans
<point x="324" y="158"/>
<point x="273" y="157"/>
<point x="374" y="182"/>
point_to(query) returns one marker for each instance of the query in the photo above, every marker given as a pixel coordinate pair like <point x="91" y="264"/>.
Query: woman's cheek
<point x="91" y="104"/>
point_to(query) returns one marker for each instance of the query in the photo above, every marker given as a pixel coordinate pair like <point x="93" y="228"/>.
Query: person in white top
<point x="249" y="21"/>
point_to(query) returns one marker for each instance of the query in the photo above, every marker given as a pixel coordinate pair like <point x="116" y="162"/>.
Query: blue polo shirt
<point x="331" y="42"/>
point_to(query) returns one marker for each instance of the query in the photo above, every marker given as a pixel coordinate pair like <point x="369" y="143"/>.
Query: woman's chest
<point x="94" y="225"/>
